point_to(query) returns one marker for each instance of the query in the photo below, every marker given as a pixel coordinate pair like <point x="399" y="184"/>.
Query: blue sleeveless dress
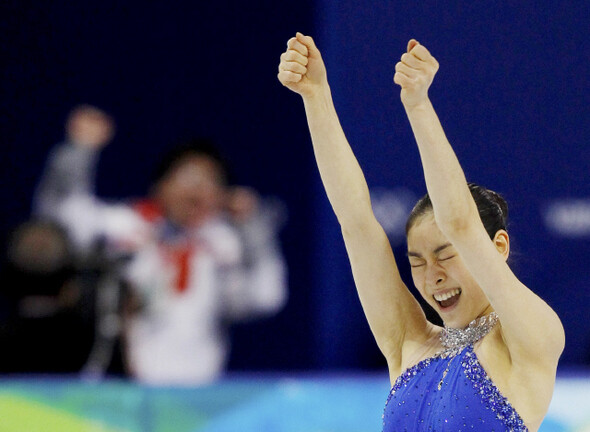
<point x="452" y="394"/>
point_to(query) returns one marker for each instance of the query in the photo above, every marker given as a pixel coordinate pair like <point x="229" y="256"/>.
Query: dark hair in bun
<point x="492" y="208"/>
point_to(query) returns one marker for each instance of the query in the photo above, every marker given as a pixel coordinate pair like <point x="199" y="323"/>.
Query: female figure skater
<point x="492" y="367"/>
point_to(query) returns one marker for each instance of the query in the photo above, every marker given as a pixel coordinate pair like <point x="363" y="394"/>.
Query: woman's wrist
<point x="319" y="99"/>
<point x="418" y="107"/>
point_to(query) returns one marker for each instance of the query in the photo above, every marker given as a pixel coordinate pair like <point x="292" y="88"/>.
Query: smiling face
<point x="441" y="277"/>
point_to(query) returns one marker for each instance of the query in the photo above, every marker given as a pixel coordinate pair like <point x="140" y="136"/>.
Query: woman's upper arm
<point x="393" y="313"/>
<point x="531" y="329"/>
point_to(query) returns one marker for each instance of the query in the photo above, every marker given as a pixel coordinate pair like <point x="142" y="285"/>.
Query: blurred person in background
<point x="196" y="254"/>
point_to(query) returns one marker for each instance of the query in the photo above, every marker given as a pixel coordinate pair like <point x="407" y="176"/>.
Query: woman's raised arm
<point x="532" y="330"/>
<point x="394" y="315"/>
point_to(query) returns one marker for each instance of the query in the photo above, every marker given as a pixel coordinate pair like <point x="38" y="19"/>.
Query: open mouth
<point x="448" y="299"/>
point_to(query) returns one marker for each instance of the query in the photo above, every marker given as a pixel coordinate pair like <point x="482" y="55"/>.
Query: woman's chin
<point x="453" y="316"/>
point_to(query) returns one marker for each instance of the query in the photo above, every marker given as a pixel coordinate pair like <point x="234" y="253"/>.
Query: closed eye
<point x="447" y="258"/>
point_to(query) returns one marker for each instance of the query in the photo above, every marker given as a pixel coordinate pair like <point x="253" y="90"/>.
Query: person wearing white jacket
<point x="202" y="253"/>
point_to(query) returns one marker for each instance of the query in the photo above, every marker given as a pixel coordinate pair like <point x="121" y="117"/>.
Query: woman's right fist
<point x="301" y="68"/>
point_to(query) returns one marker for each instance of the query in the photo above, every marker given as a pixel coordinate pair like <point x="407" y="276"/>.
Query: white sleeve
<point x="69" y="170"/>
<point x="88" y="219"/>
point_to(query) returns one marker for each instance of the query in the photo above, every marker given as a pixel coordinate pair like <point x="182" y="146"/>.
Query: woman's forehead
<point x="425" y="233"/>
<point x="424" y="221"/>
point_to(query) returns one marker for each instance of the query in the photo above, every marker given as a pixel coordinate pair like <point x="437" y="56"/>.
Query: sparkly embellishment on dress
<point x="465" y="398"/>
<point x="454" y="340"/>
<point x="490" y="393"/>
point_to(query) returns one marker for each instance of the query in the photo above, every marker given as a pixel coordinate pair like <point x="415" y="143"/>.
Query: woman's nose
<point x="435" y="275"/>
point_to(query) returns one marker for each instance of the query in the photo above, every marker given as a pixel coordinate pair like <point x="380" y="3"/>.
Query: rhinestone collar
<point x="454" y="340"/>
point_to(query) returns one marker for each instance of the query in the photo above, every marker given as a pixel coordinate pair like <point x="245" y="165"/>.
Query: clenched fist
<point x="88" y="126"/>
<point x="301" y="68"/>
<point x="414" y="73"/>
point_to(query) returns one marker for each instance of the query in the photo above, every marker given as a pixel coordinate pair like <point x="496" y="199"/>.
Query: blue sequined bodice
<point x="452" y="394"/>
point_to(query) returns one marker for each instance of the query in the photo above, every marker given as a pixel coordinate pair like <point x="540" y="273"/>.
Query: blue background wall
<point x="512" y="93"/>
